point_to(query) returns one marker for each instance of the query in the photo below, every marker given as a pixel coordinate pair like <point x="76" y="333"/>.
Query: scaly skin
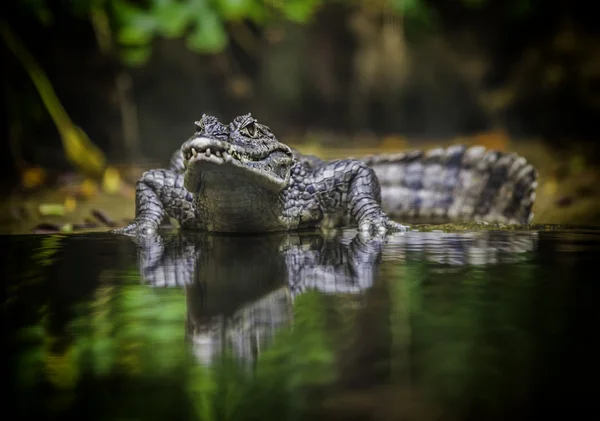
<point x="240" y="178"/>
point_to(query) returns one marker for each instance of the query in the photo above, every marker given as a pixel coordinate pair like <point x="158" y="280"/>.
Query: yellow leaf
<point x="33" y="177"/>
<point x="88" y="188"/>
<point x="70" y="204"/>
<point x="240" y="87"/>
<point x="78" y="147"/>
<point x="82" y="152"/>
<point x="550" y="187"/>
<point x="394" y="143"/>
<point x="497" y="140"/>
<point x="111" y="181"/>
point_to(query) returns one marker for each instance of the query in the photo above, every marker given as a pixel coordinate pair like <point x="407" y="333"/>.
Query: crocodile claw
<point x="380" y="224"/>
<point x="136" y="229"/>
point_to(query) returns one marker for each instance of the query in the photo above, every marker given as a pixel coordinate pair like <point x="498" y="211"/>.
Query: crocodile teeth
<point x="194" y="152"/>
<point x="217" y="153"/>
<point x="226" y="157"/>
<point x="207" y="153"/>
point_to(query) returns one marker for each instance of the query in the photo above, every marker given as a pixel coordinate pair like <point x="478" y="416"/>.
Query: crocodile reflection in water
<point x="240" y="289"/>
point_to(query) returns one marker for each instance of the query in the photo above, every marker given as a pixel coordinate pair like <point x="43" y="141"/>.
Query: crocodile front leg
<point x="159" y="193"/>
<point x="351" y="186"/>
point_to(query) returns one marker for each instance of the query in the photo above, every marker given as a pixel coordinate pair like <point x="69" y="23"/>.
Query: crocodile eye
<point x="199" y="126"/>
<point x="250" y="130"/>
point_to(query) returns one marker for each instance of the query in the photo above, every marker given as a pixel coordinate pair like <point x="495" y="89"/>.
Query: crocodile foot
<point x="380" y="224"/>
<point x="137" y="229"/>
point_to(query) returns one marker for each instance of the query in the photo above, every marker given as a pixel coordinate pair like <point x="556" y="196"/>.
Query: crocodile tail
<point x="456" y="184"/>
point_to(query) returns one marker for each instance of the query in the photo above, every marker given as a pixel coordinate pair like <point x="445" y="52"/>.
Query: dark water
<point x="477" y="325"/>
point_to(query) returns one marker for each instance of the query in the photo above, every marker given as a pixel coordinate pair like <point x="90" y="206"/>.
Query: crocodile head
<point x="245" y="152"/>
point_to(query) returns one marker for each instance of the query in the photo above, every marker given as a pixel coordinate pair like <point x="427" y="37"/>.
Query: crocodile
<point x="239" y="178"/>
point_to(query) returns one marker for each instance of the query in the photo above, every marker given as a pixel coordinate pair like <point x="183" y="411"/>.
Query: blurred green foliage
<point x="203" y="23"/>
<point x="137" y="332"/>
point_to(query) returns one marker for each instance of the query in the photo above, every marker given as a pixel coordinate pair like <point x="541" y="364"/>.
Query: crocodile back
<point x="456" y="184"/>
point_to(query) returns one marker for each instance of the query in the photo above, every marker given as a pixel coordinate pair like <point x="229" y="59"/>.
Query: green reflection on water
<point x="471" y="326"/>
<point x="298" y="360"/>
<point x="459" y="338"/>
<point x="138" y="332"/>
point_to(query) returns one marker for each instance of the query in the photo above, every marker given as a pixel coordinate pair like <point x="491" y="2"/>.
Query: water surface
<point x="477" y="325"/>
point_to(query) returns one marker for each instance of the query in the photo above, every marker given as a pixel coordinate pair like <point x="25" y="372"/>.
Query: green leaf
<point x="125" y="12"/>
<point x="208" y="35"/>
<point x="51" y="209"/>
<point x="66" y="228"/>
<point x="136" y="56"/>
<point x="172" y="18"/>
<point x="300" y="11"/>
<point x="258" y="15"/>
<point x="136" y="25"/>
<point x="134" y="35"/>
<point x="234" y="9"/>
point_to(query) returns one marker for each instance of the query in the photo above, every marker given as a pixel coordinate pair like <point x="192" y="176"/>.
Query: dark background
<point x="440" y="70"/>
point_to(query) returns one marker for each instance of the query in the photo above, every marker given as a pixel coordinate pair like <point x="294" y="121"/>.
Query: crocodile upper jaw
<point x="210" y="160"/>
